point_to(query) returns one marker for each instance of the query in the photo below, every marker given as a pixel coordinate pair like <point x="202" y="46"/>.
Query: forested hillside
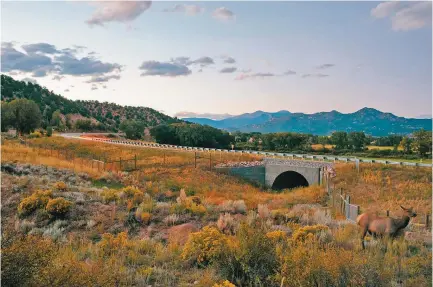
<point x="108" y="116"/>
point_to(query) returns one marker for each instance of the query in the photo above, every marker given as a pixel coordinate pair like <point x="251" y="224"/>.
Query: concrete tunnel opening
<point x="289" y="180"/>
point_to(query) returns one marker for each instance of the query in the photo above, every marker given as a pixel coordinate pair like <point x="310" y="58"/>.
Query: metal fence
<point x="286" y="155"/>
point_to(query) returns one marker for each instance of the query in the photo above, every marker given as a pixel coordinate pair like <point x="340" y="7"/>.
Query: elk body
<point x="383" y="226"/>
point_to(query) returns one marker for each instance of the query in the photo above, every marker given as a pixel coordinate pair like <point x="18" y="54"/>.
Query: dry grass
<point x="380" y="188"/>
<point x="320" y="146"/>
<point x="372" y="147"/>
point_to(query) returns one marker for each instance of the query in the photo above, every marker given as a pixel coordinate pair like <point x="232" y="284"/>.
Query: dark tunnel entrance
<point x="289" y="180"/>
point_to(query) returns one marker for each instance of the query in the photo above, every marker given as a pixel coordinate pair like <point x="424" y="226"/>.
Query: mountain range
<point x="368" y="120"/>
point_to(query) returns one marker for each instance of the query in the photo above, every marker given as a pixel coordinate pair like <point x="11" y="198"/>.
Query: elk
<point x="383" y="226"/>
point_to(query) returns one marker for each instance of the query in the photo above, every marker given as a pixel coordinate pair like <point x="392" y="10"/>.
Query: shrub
<point x="111" y="245"/>
<point x="237" y="206"/>
<point x="60" y="186"/>
<point x="35" y="134"/>
<point x="172" y="219"/>
<point x="132" y="191"/>
<point x="251" y="260"/>
<point x="308" y="232"/>
<point x="58" y="206"/>
<point x="276" y="236"/>
<point x="25" y="258"/>
<point x="143" y="217"/>
<point x="38" y="199"/>
<point x="227" y="224"/>
<point x="49" y="131"/>
<point x="263" y="211"/>
<point x="224" y="283"/>
<point x="110" y="195"/>
<point x="205" y="246"/>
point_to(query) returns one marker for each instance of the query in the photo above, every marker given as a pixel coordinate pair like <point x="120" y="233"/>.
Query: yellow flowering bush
<point x="58" y="206"/>
<point x="276" y="236"/>
<point x="38" y="199"/>
<point x="35" y="134"/>
<point x="111" y="244"/>
<point x="110" y="195"/>
<point x="308" y="232"/>
<point x="205" y="246"/>
<point x="60" y="186"/>
<point x="225" y="283"/>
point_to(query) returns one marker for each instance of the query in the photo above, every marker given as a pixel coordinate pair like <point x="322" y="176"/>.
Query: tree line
<point x="339" y="142"/>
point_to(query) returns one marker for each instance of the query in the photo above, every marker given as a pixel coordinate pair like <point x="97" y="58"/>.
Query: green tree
<point x="406" y="145"/>
<point x="340" y="140"/>
<point x="357" y="140"/>
<point x="68" y="121"/>
<point x="6" y="116"/>
<point x="133" y="129"/>
<point x="84" y="125"/>
<point x="49" y="131"/>
<point x="422" y="142"/>
<point x="57" y="120"/>
<point x="22" y="114"/>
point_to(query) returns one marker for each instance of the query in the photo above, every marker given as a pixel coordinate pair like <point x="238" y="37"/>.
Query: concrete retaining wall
<point x="255" y="174"/>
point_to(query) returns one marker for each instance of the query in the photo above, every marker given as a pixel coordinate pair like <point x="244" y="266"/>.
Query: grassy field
<point x="65" y="223"/>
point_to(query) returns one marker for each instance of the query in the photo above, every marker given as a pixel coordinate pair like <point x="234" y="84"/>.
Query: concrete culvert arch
<point x="288" y="180"/>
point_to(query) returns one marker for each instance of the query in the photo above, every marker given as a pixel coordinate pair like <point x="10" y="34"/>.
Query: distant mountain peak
<point x="369" y="120"/>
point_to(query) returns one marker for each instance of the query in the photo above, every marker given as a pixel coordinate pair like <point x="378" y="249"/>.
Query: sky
<point x="192" y="58"/>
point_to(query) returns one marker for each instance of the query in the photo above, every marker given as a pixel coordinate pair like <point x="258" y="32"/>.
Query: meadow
<point x="66" y="223"/>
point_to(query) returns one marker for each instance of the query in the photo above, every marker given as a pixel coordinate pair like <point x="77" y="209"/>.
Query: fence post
<point x="347" y="209"/>
<point x="120" y="163"/>
<point x="210" y="161"/>
<point x="164" y="157"/>
<point x="195" y="159"/>
<point x="135" y="162"/>
<point x="427" y="221"/>
<point x="387" y="213"/>
<point x="358" y="210"/>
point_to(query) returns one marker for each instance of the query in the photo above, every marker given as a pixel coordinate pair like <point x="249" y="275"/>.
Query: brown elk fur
<point x="383" y="226"/>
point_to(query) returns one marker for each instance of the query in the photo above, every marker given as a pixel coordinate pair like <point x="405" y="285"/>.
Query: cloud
<point x="57" y="78"/>
<point x="186" y="61"/>
<point x="203" y="61"/>
<point x="246" y="71"/>
<point x="289" y="72"/>
<point x="314" y="76"/>
<point x="405" y="16"/>
<point x="70" y="65"/>
<point x="384" y="9"/>
<point x="255" y="75"/>
<point x="118" y="11"/>
<point x="228" y="70"/>
<point x="40" y="47"/>
<point x="43" y="59"/>
<point x="67" y="90"/>
<point x="181" y="61"/>
<point x="94" y="87"/>
<point x="325" y="66"/>
<point x="163" y="69"/>
<point x="104" y="86"/>
<point x="190" y="10"/>
<point x="413" y="17"/>
<point x="229" y="60"/>
<point x="223" y="14"/>
<point x="103" y="78"/>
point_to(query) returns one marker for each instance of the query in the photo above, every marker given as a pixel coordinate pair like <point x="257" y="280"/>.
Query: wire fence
<point x="198" y="159"/>
<point x="342" y="205"/>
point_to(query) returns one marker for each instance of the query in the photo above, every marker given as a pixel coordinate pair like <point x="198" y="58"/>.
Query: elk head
<point x="408" y="211"/>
